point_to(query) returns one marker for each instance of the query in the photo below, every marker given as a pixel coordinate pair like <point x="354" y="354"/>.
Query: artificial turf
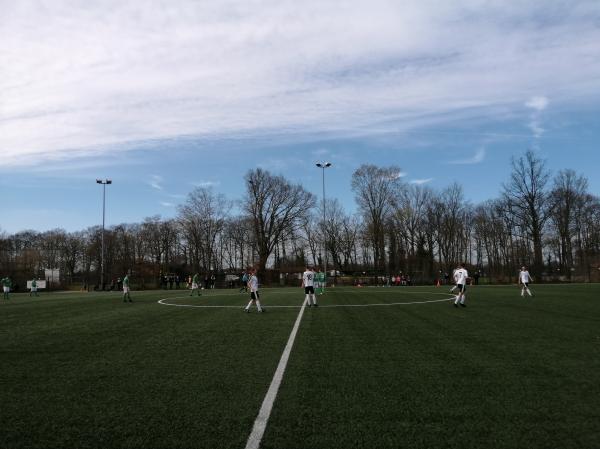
<point x="87" y="371"/>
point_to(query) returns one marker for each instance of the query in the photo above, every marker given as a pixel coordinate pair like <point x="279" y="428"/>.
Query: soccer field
<point x="370" y="368"/>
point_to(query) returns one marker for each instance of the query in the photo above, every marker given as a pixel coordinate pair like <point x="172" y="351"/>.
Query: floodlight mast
<point x="104" y="183"/>
<point x="323" y="166"/>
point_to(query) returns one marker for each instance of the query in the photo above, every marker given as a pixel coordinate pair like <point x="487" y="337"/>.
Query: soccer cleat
<point x="316" y="305"/>
<point x="463" y="305"/>
<point x="455" y="305"/>
<point x="246" y="310"/>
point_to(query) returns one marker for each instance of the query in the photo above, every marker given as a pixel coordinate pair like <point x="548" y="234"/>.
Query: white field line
<point x="162" y="302"/>
<point x="260" y="424"/>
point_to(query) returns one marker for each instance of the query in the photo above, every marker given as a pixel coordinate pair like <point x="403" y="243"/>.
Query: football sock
<point x="314" y="299"/>
<point x="258" y="305"/>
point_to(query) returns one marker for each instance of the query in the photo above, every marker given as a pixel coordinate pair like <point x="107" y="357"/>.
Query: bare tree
<point x="566" y="198"/>
<point x="526" y="196"/>
<point x="375" y="190"/>
<point x="275" y="207"/>
<point x="202" y="219"/>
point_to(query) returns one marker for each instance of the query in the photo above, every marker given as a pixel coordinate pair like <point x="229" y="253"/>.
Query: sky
<point x="165" y="96"/>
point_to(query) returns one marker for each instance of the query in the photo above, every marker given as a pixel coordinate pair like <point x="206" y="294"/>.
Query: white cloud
<point x="84" y="78"/>
<point x="156" y="182"/>
<point x="537" y="103"/>
<point x="477" y="158"/>
<point x="421" y="181"/>
<point x="205" y="184"/>
<point x="166" y="204"/>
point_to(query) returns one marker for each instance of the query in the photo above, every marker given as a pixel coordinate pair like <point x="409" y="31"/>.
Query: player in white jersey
<point x="308" y="282"/>
<point x="460" y="277"/>
<point x="254" y="296"/>
<point x="454" y="287"/>
<point x="524" y="279"/>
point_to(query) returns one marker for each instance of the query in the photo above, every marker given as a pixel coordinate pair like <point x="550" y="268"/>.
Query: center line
<point x="260" y="424"/>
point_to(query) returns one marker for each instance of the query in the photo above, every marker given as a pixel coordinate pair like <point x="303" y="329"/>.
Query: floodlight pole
<point x="323" y="166"/>
<point x="104" y="182"/>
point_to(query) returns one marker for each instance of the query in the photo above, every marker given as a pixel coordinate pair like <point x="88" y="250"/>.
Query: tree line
<point x="549" y="223"/>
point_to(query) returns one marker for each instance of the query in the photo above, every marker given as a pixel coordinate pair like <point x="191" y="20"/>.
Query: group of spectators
<point x="399" y="279"/>
<point x="167" y="281"/>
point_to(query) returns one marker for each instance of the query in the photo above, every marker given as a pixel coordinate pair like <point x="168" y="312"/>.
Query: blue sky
<point x="182" y="94"/>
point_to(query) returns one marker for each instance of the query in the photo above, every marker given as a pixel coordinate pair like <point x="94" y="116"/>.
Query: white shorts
<point x="34" y="289"/>
<point x="125" y="289"/>
<point x="194" y="286"/>
<point x="6" y="289"/>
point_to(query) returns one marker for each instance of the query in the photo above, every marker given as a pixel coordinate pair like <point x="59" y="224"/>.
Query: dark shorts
<point x="462" y="287"/>
<point x="309" y="290"/>
<point x="254" y="295"/>
<point x="526" y="284"/>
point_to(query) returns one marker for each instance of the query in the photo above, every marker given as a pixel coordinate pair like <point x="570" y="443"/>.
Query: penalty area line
<point x="260" y="424"/>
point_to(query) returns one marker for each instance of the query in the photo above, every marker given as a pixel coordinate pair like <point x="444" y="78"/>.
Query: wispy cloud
<point x="82" y="79"/>
<point x="156" y="182"/>
<point x="421" y="181"/>
<point x="538" y="104"/>
<point x="205" y="184"/>
<point x="166" y="204"/>
<point x="477" y="158"/>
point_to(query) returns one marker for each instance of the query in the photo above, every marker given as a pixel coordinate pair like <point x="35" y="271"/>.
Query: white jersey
<point x="460" y="276"/>
<point x="524" y="277"/>
<point x="253" y="283"/>
<point x="308" y="279"/>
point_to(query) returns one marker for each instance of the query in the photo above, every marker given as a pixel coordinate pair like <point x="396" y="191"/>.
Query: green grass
<point x="87" y="371"/>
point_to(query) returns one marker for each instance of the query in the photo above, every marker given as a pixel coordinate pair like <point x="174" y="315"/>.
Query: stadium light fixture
<point x="323" y="166"/>
<point x="104" y="183"/>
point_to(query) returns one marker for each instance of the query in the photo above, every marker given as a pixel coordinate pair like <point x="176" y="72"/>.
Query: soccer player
<point x="308" y="279"/>
<point x="195" y="286"/>
<point x="6" y="285"/>
<point x="454" y="277"/>
<point x="244" y="280"/>
<point x="33" y="288"/>
<point x="126" y="290"/>
<point x="320" y="278"/>
<point x="460" y="276"/>
<point x="524" y="279"/>
<point x="254" y="296"/>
